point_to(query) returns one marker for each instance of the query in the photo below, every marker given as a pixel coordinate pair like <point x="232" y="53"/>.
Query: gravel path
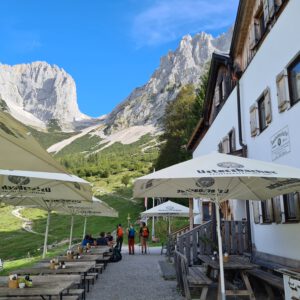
<point x="135" y="277"/>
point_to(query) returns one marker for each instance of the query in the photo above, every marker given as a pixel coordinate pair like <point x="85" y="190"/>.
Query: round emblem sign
<point x="230" y="165"/>
<point x="205" y="182"/>
<point x="19" y="180"/>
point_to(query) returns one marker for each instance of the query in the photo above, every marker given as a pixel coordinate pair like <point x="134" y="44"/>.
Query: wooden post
<point x="191" y="214"/>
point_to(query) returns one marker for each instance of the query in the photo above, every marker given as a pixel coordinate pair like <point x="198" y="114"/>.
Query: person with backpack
<point x="119" y="237"/>
<point x="131" y="235"/>
<point x="144" y="234"/>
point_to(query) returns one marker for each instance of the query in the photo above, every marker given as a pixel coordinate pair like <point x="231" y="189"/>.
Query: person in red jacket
<point x="131" y="235"/>
<point x="144" y="234"/>
<point x="119" y="237"/>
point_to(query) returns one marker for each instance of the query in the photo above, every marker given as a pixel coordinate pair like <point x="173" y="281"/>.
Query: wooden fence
<point x="201" y="240"/>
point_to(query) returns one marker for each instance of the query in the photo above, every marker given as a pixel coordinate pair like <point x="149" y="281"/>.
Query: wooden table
<point x="98" y="250"/>
<point x="83" y="258"/>
<point x="237" y="263"/>
<point x="43" y="286"/>
<point x="71" y="268"/>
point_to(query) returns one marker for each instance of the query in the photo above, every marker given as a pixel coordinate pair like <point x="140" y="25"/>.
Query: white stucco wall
<point x="226" y="120"/>
<point x="278" y="49"/>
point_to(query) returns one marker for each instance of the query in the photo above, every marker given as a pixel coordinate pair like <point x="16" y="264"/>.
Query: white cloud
<point x="167" y="20"/>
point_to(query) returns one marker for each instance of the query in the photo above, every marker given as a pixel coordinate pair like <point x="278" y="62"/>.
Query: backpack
<point x="131" y="233"/>
<point x="145" y="232"/>
<point x="116" y="255"/>
<point x="120" y="232"/>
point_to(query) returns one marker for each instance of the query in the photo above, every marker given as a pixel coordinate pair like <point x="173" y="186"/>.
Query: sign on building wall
<point x="280" y="143"/>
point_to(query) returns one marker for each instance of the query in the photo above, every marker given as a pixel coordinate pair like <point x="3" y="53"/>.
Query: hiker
<point x="119" y="237"/>
<point x="144" y="234"/>
<point x="110" y="239"/>
<point x="131" y="234"/>
<point x="86" y="240"/>
<point x="102" y="241"/>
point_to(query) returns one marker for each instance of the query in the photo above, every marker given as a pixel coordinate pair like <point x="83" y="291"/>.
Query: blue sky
<point x="108" y="46"/>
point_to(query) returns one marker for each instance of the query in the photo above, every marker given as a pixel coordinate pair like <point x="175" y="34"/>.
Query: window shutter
<point x="253" y="36"/>
<point x="268" y="106"/>
<point x="278" y="3"/>
<point x="232" y="140"/>
<point x="253" y="120"/>
<point x="220" y="147"/>
<point x="277" y="209"/>
<point x="225" y="144"/>
<point x="297" y="205"/>
<point x="271" y="8"/>
<point x="282" y="91"/>
<point x="217" y="96"/>
<point x="269" y="206"/>
<point x="266" y="12"/>
<point x="256" y="215"/>
<point x="224" y="88"/>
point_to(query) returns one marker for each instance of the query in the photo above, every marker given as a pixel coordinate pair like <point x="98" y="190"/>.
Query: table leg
<point x="219" y="288"/>
<point x="204" y="293"/>
<point x="248" y="285"/>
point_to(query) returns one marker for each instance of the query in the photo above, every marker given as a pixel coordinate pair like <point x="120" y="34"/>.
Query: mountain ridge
<point x="44" y="96"/>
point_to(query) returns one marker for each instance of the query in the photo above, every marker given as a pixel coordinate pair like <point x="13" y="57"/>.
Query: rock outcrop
<point x="38" y="94"/>
<point x="146" y="104"/>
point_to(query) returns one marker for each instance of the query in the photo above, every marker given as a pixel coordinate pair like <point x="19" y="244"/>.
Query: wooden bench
<point x="190" y="277"/>
<point x="269" y="280"/>
<point x="39" y="298"/>
<point x="75" y="292"/>
<point x="90" y="278"/>
<point x="99" y="268"/>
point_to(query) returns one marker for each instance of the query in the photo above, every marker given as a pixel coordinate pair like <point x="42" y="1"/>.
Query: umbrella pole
<point x="153" y="220"/>
<point x="71" y="231"/>
<point x="84" y="227"/>
<point x="46" y="235"/>
<point x="222" y="280"/>
<point x="169" y="225"/>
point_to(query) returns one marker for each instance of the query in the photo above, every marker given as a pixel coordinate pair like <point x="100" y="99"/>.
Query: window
<point x="267" y="211"/>
<point x="262" y="114"/>
<point x="280" y="209"/>
<point x="294" y="81"/>
<point x="291" y="207"/>
<point x="227" y="145"/>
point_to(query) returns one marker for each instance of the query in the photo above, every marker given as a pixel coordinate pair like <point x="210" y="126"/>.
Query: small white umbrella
<point x="96" y="208"/>
<point x="167" y="209"/>
<point x="42" y="203"/>
<point x="219" y="177"/>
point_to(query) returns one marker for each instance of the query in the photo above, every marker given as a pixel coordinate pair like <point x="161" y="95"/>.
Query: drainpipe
<point x="244" y="153"/>
<point x="244" y="146"/>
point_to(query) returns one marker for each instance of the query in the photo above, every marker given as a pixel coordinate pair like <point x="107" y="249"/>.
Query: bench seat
<point x="267" y="277"/>
<point x="197" y="278"/>
<point x="190" y="277"/>
<point x="39" y="298"/>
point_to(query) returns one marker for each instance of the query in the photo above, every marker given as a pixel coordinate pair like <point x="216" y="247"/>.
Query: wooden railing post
<point x="195" y="246"/>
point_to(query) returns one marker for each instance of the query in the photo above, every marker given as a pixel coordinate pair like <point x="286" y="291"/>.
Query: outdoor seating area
<point x="67" y="277"/>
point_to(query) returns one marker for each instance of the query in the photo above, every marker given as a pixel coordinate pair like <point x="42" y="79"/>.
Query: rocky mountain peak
<point x="146" y="104"/>
<point x="38" y="93"/>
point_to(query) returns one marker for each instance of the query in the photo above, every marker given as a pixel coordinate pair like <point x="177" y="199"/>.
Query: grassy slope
<point x="46" y="139"/>
<point x="85" y="143"/>
<point x="130" y="161"/>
